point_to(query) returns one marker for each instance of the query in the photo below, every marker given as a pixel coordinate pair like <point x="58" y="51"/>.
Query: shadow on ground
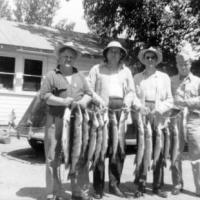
<point x="39" y="193"/>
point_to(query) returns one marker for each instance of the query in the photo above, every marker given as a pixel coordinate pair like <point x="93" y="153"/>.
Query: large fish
<point x="76" y="141"/>
<point x="166" y="145"/>
<point x="148" y="146"/>
<point x="92" y="141"/>
<point x="122" y="131"/>
<point x="158" y="146"/>
<point x="140" y="149"/>
<point x="104" y="136"/>
<point x="175" y="142"/>
<point x="85" y="128"/>
<point x="66" y="136"/>
<point x="98" y="140"/>
<point x="115" y="134"/>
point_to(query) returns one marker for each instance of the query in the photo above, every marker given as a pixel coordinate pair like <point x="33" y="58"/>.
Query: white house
<point x="26" y="55"/>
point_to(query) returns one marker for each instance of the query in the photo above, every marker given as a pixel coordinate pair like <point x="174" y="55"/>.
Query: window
<point x="32" y="75"/>
<point x="7" y="72"/>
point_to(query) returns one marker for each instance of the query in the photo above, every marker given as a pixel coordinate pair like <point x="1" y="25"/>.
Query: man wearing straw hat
<point x="186" y="92"/>
<point x="154" y="90"/>
<point x="113" y="85"/>
<point x="61" y="87"/>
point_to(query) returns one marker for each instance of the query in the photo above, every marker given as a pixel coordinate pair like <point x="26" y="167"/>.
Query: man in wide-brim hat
<point x="61" y="88"/>
<point x="154" y="90"/>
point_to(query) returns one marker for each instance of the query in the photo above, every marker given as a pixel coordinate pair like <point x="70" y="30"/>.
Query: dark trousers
<point x="158" y="172"/>
<point x="115" y="166"/>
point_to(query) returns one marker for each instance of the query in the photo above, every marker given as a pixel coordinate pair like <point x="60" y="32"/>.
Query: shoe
<point x="51" y="197"/>
<point x="76" y="197"/>
<point x="176" y="191"/>
<point x="97" y="195"/>
<point x="160" y="193"/>
<point x="116" y="191"/>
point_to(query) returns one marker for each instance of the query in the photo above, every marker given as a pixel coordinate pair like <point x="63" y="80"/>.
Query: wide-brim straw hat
<point x="67" y="45"/>
<point x="115" y="44"/>
<point x="153" y="50"/>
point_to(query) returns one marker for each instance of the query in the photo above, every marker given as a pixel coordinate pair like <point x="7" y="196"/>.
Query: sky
<point x="71" y="10"/>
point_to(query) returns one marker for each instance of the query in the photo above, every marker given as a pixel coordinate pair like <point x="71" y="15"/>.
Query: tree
<point x="5" y="11"/>
<point x="36" y="11"/>
<point x="64" y="25"/>
<point x="151" y="22"/>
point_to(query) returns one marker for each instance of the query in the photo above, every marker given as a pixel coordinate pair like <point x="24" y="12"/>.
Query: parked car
<point x="33" y="121"/>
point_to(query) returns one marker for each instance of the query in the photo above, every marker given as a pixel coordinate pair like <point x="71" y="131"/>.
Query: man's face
<point x="183" y="64"/>
<point x="150" y="59"/>
<point x="114" y="54"/>
<point x="67" y="58"/>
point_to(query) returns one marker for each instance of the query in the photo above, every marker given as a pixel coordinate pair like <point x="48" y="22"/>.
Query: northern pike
<point x="140" y="149"/>
<point x="85" y="129"/>
<point x="175" y="142"/>
<point x="92" y="141"/>
<point x="166" y="145"/>
<point x="98" y="140"/>
<point x="122" y="131"/>
<point x="105" y="136"/>
<point x="158" y="146"/>
<point x="148" y="147"/>
<point x="77" y="141"/>
<point x="115" y="135"/>
<point x="66" y="136"/>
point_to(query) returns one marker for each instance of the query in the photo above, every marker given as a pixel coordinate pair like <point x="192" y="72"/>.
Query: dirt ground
<point x="22" y="176"/>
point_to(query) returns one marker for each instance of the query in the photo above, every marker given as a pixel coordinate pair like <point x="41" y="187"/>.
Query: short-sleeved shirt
<point x="55" y="83"/>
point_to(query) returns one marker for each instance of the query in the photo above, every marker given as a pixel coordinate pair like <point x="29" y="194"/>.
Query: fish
<point x="66" y="136"/>
<point x="175" y="142"/>
<point x="93" y="137"/>
<point x="104" y="146"/>
<point x="158" y="145"/>
<point x="115" y="134"/>
<point x="140" y="149"/>
<point x="85" y="130"/>
<point x="98" y="141"/>
<point x="148" y="146"/>
<point x="166" y="145"/>
<point x="122" y="131"/>
<point x="76" y="142"/>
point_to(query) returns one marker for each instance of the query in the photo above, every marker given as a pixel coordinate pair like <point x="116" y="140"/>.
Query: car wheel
<point x="37" y="145"/>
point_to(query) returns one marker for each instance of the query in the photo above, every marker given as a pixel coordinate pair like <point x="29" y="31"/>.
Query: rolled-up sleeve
<point x="46" y="88"/>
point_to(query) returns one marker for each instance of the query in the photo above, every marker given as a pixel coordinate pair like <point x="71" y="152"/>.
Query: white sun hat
<point x="115" y="44"/>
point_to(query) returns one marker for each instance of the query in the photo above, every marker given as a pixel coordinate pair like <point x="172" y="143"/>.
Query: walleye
<point x="140" y="150"/>
<point x="92" y="141"/>
<point x="148" y="147"/>
<point x="166" y="145"/>
<point x="77" y="141"/>
<point x="98" y="140"/>
<point x="115" y="134"/>
<point x="122" y="131"/>
<point x="66" y="136"/>
<point x="158" y="146"/>
<point x="85" y="129"/>
<point x="175" y="142"/>
<point x="104" y="136"/>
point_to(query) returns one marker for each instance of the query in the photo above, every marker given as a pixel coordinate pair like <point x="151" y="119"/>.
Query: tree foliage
<point x="151" y="22"/>
<point x="64" y="25"/>
<point x="5" y="11"/>
<point x="39" y="12"/>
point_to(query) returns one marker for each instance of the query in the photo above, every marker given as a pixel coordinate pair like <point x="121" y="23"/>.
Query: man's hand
<point x="99" y="101"/>
<point x="68" y="101"/>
